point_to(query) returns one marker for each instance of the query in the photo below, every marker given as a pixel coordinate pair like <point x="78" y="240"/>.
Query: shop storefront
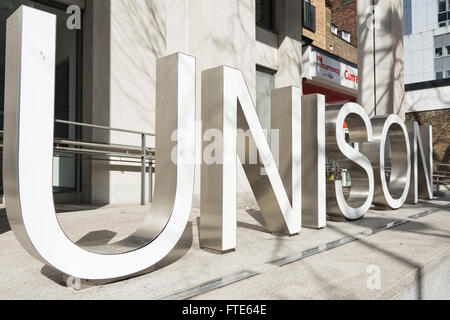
<point x="329" y="75"/>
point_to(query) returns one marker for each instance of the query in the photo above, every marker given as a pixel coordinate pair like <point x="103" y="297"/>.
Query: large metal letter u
<point x="28" y="158"/>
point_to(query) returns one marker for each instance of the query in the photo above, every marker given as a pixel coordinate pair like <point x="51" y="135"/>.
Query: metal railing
<point x="99" y="151"/>
<point x="145" y="156"/>
<point x="441" y="175"/>
<point x="309" y="16"/>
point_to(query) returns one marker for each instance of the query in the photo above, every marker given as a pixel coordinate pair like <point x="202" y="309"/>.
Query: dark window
<point x="62" y="98"/>
<point x="442" y="6"/>
<point x="439" y="75"/>
<point x="309" y="16"/>
<point x="264" y="14"/>
<point x="443" y="12"/>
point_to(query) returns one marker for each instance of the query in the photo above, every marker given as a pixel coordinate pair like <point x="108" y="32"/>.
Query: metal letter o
<point x="390" y="136"/>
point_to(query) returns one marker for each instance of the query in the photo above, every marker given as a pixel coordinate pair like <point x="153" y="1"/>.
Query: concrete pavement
<point x="357" y="260"/>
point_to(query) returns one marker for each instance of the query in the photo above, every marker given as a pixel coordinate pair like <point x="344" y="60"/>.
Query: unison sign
<point x="291" y="195"/>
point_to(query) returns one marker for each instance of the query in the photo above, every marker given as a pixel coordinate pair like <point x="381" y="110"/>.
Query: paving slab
<point x="332" y="263"/>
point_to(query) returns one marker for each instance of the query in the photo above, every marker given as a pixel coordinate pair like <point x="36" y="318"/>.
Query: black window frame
<point x="309" y="16"/>
<point x="443" y="16"/>
<point x="270" y="25"/>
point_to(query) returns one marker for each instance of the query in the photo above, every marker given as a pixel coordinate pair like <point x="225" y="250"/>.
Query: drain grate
<point x="210" y="285"/>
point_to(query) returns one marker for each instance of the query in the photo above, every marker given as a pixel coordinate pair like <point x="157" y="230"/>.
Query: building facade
<point x="106" y="70"/>
<point x="427" y="69"/>
<point x="344" y="20"/>
<point x="427" y="40"/>
<point x="330" y="53"/>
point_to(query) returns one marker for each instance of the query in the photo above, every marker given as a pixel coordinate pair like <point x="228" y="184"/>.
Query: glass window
<point x="345" y="35"/>
<point x="447" y="74"/>
<point x="438" y="52"/>
<point x="447" y="50"/>
<point x="439" y="75"/>
<point x="442" y="6"/>
<point x="66" y="80"/>
<point x="264" y="14"/>
<point x="309" y="16"/>
<point x="443" y="12"/>
<point x="334" y="29"/>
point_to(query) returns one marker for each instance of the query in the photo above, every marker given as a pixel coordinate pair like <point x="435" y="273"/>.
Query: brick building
<point x="343" y="32"/>
<point x="343" y="16"/>
<point x="440" y="120"/>
<point x="330" y="55"/>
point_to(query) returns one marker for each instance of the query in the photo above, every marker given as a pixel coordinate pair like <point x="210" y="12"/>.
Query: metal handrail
<point x="442" y="164"/>
<point x="99" y="152"/>
<point x="102" y="145"/>
<point x="94" y="126"/>
<point x="143" y="150"/>
<point x="105" y="151"/>
<point x="441" y="178"/>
